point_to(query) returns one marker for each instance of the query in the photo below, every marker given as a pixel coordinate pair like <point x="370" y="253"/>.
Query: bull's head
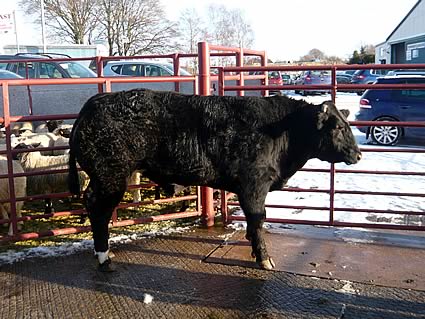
<point x="318" y="131"/>
<point x="336" y="142"/>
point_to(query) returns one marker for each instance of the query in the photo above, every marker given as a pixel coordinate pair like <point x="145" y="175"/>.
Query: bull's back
<point x="179" y="132"/>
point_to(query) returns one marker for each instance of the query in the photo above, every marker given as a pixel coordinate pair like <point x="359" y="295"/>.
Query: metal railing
<point x="104" y="84"/>
<point x="332" y="191"/>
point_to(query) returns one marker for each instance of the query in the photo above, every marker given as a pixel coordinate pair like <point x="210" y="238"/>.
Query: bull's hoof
<point x="106" y="266"/>
<point x="110" y="255"/>
<point x="267" y="264"/>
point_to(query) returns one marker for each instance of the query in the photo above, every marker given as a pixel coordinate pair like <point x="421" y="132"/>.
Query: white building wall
<point x="382" y="52"/>
<point x="413" y="26"/>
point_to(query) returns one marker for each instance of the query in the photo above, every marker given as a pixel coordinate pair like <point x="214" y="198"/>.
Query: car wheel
<point x="385" y="135"/>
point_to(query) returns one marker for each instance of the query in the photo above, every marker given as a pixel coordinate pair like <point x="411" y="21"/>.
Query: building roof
<point x="404" y="19"/>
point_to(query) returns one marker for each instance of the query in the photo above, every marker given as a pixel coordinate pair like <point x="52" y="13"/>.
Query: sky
<point x="370" y="161"/>
<point x="285" y="29"/>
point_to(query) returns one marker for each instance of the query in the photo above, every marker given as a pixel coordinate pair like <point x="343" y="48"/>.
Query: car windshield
<point x="77" y="70"/>
<point x="274" y="75"/>
<point x="320" y="73"/>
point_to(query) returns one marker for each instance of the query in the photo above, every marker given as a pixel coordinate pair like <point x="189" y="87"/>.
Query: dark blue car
<point x="403" y="105"/>
<point x="366" y="76"/>
<point x="313" y="78"/>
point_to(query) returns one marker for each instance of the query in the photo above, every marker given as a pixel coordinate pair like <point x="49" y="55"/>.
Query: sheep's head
<point x="23" y="146"/>
<point x="53" y="124"/>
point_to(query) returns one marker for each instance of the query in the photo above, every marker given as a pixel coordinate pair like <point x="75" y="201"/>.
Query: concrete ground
<point x="188" y="276"/>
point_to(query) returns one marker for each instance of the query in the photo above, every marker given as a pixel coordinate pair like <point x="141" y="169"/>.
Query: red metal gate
<point x="206" y="208"/>
<point x="104" y="85"/>
<point x="332" y="191"/>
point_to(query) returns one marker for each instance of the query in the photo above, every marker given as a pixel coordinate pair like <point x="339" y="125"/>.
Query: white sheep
<point x="57" y="182"/>
<point x="20" y="184"/>
<point x="61" y="141"/>
<point x="49" y="126"/>
<point x="135" y="180"/>
<point x="22" y="128"/>
<point x="50" y="183"/>
<point x="43" y="139"/>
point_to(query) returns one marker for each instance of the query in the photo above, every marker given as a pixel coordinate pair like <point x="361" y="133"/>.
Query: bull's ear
<point x="322" y="116"/>
<point x="345" y="113"/>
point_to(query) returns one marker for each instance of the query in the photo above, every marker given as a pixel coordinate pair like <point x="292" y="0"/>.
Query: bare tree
<point x="134" y="27"/>
<point x="313" y="55"/>
<point x="243" y="35"/>
<point x="192" y="31"/>
<point x="229" y="27"/>
<point x="70" y="20"/>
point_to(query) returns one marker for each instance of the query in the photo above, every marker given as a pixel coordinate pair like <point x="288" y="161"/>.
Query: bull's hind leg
<point x="100" y="203"/>
<point x="255" y="213"/>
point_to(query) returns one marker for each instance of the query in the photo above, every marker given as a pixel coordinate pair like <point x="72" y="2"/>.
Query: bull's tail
<point x="73" y="179"/>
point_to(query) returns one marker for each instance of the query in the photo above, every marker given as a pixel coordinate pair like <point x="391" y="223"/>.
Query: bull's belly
<point x="193" y="177"/>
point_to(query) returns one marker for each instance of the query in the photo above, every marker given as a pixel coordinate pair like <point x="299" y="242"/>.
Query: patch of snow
<point x="347" y="288"/>
<point x="66" y="249"/>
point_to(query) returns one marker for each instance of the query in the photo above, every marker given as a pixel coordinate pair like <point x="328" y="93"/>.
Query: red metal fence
<point x="332" y="191"/>
<point x="202" y="83"/>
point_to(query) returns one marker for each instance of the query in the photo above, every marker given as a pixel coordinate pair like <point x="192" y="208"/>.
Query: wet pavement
<point x="176" y="271"/>
<point x="380" y="257"/>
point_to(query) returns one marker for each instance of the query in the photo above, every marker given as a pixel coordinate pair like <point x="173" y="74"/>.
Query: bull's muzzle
<point x="355" y="158"/>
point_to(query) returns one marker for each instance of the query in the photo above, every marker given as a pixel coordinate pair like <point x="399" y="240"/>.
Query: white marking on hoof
<point x="268" y="264"/>
<point x="147" y="298"/>
<point x="102" y="256"/>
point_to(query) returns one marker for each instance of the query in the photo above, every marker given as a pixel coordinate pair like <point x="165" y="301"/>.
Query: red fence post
<point x="204" y="89"/>
<point x="239" y="62"/>
<point x="99" y="69"/>
<point x="332" y="194"/>
<point x="266" y="80"/>
<point x="12" y="197"/>
<point x="334" y="84"/>
<point x="176" y="65"/>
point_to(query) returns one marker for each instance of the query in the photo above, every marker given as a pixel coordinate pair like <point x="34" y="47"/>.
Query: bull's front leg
<point x="255" y="213"/>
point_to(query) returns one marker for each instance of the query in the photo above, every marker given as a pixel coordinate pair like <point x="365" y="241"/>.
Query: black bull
<point x="245" y="145"/>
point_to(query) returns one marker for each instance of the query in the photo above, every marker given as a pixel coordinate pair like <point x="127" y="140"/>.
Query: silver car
<point x="140" y="68"/>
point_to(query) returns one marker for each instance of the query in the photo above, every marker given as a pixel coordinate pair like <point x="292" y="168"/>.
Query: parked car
<point x="344" y="77"/>
<point x="313" y="78"/>
<point x="366" y="76"/>
<point x="47" y="69"/>
<point x="4" y="60"/>
<point x="275" y="78"/>
<point x="140" y="68"/>
<point x="393" y="105"/>
<point x="4" y="74"/>
<point x="286" y="78"/>
<point x="406" y="72"/>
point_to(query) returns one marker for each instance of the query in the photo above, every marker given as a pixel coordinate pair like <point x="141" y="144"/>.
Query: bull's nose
<point x="359" y="156"/>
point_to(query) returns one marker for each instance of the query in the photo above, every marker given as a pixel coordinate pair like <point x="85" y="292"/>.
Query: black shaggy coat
<point x="246" y="145"/>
